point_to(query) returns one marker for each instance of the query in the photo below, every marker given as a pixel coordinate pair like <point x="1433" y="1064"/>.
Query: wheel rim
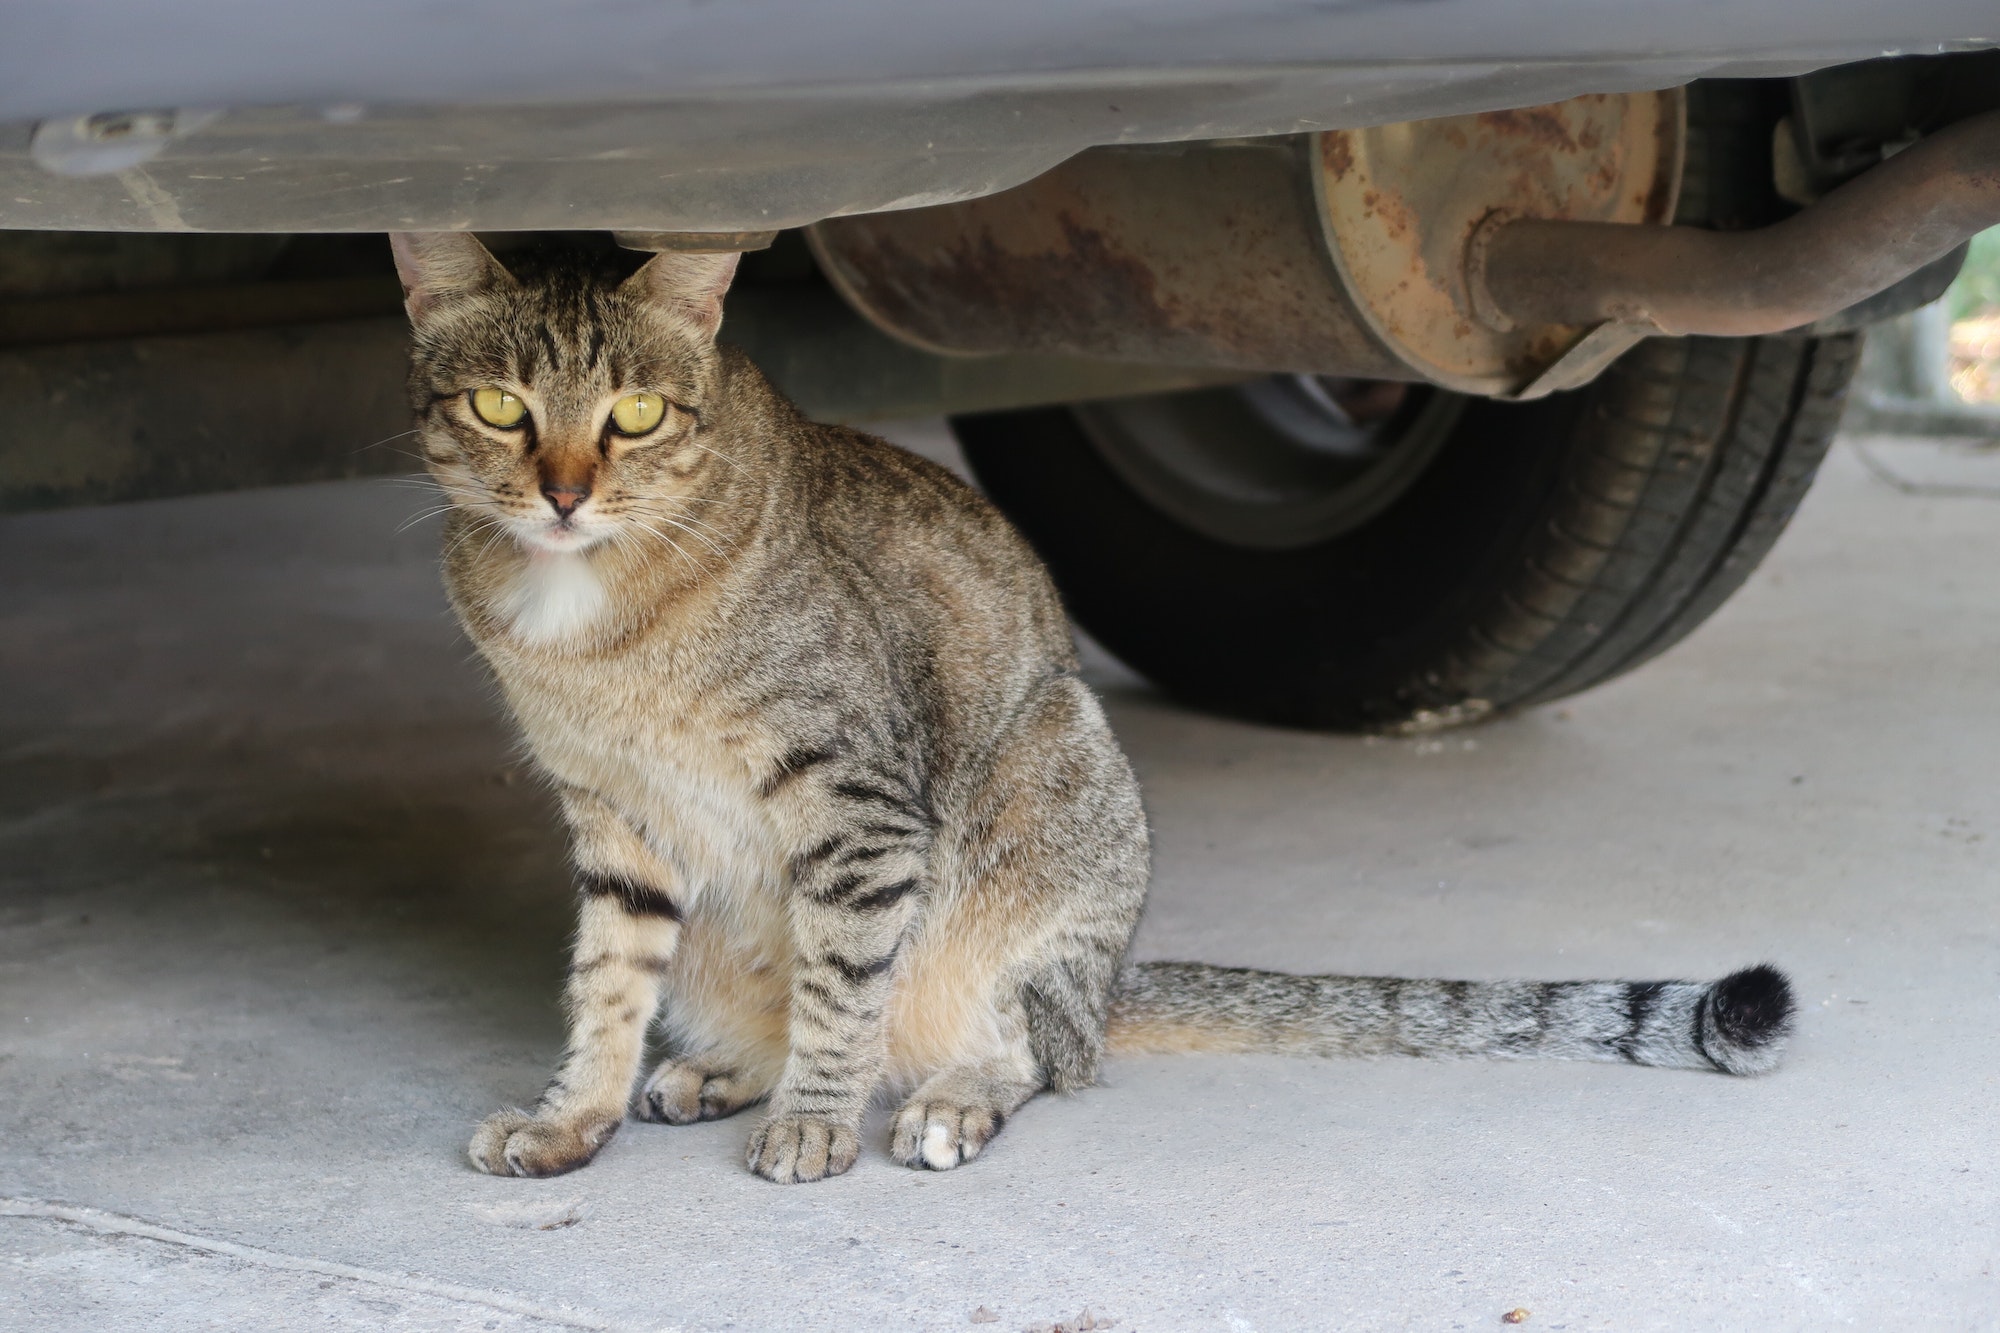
<point x="1276" y="463"/>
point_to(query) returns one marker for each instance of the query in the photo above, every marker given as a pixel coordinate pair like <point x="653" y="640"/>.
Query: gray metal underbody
<point x="374" y="115"/>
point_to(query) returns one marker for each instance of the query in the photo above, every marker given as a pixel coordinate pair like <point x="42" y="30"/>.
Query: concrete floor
<point x="281" y="920"/>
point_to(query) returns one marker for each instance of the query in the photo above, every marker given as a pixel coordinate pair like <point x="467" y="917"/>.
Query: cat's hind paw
<point x="791" y="1149"/>
<point x="515" y="1143"/>
<point x="682" y="1092"/>
<point x="939" y="1135"/>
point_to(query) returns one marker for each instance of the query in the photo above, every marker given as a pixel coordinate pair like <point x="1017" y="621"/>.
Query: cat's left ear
<point x="692" y="282"/>
<point x="438" y="265"/>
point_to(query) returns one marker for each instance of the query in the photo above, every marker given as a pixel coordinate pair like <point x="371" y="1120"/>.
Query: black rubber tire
<point x="1548" y="547"/>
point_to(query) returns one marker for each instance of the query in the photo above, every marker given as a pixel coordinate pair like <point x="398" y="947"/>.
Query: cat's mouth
<point x="557" y="535"/>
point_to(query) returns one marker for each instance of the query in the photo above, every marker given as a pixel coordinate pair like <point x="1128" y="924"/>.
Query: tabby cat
<point x="843" y="814"/>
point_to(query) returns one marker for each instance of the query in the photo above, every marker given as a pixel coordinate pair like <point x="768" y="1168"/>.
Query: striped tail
<point x="1737" y="1025"/>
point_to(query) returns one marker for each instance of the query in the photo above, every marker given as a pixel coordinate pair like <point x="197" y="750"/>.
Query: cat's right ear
<point x="436" y="266"/>
<point x="691" y="283"/>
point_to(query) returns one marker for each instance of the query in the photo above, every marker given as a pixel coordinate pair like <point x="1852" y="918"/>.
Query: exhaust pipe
<point x="1862" y="237"/>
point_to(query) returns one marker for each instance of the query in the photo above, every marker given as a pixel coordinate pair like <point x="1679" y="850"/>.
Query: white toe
<point x="939" y="1153"/>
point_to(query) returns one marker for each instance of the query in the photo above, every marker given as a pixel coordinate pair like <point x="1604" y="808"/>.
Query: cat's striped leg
<point x="854" y="895"/>
<point x="629" y="919"/>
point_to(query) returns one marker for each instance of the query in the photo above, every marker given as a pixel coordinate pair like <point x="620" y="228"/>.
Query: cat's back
<point x="918" y="536"/>
<point x="932" y="545"/>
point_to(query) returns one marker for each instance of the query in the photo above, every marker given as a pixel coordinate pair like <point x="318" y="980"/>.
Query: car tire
<point x="1443" y="561"/>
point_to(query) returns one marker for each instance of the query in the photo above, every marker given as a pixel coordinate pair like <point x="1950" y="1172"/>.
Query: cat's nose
<point x="565" y="499"/>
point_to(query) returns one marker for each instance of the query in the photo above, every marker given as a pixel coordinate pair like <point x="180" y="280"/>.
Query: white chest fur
<point x="553" y="597"/>
<point x="627" y="730"/>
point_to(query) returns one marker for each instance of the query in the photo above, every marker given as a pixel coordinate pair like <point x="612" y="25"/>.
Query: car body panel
<point x="757" y="114"/>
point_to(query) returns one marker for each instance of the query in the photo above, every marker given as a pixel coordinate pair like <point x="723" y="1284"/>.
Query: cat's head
<point x="563" y="404"/>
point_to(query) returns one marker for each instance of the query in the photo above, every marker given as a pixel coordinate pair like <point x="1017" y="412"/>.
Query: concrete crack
<point x="116" y="1224"/>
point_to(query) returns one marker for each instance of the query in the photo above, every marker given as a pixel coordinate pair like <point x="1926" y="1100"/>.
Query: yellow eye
<point x="497" y="407"/>
<point x="637" y="413"/>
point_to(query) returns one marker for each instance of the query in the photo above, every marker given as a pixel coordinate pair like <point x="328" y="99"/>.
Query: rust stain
<point x="1062" y="275"/>
<point x="1394" y="213"/>
<point x="1654" y="207"/>
<point x="1541" y="351"/>
<point x="1667" y="148"/>
<point x="1337" y="153"/>
<point x="971" y="292"/>
<point x="1539" y="125"/>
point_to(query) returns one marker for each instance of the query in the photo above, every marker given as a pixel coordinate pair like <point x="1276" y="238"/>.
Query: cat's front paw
<point x="514" y="1143"/>
<point x="794" y="1148"/>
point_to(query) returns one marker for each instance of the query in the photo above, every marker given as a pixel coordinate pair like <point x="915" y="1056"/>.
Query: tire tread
<point x="1678" y="485"/>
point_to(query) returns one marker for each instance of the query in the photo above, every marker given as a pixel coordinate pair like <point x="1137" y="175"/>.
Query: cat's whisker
<point x="649" y="528"/>
<point x="430" y="513"/>
<point x="490" y="524"/>
<point x="694" y="522"/>
<point x="654" y="505"/>
<point x="682" y="528"/>
<point x="466" y="496"/>
<point x="648" y="521"/>
<point x="633" y="535"/>
<point x="399" y="435"/>
<point x="462" y="538"/>
<point x="654" y="532"/>
<point x="710" y="542"/>
<point x="717" y="452"/>
<point x="494" y="532"/>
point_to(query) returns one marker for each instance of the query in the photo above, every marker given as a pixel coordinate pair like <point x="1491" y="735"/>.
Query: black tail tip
<point x="1753" y="1007"/>
<point x="1750" y="1014"/>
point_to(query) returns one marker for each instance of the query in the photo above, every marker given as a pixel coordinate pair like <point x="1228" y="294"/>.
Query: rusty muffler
<point x="1340" y="253"/>
<point x="1509" y="254"/>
